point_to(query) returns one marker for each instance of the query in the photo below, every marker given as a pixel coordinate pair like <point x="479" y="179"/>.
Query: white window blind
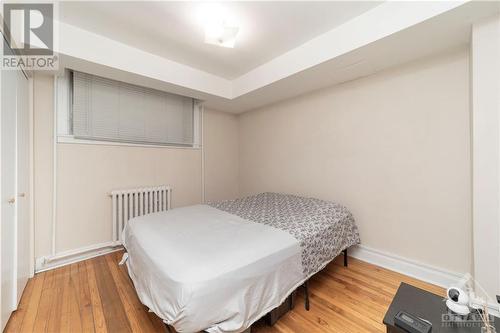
<point x="109" y="110"/>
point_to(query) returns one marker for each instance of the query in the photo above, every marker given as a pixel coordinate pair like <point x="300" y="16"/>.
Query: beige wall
<point x="221" y="155"/>
<point x="394" y="147"/>
<point x="87" y="173"/>
<point x="43" y="101"/>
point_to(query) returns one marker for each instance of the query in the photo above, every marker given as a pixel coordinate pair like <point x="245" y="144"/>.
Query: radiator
<point x="127" y="204"/>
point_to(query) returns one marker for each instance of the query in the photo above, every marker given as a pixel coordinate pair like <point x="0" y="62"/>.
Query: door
<point x="23" y="175"/>
<point x="8" y="193"/>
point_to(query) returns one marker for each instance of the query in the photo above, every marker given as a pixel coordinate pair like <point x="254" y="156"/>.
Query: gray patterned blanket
<point x="322" y="228"/>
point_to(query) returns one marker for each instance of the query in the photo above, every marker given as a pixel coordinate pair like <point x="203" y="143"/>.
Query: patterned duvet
<point x="322" y="228"/>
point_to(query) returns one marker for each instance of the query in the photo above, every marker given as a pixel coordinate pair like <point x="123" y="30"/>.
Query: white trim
<point x="202" y="140"/>
<point x="69" y="139"/>
<point x="197" y="108"/>
<point x="415" y="269"/>
<point x="31" y="83"/>
<point x="54" y="170"/>
<point x="76" y="255"/>
<point x="423" y="272"/>
<point x="485" y="86"/>
<point x="63" y="103"/>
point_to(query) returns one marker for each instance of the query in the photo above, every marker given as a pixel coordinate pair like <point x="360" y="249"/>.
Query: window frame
<point x="63" y="92"/>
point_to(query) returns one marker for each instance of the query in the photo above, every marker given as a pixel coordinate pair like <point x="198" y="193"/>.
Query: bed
<point x="222" y="266"/>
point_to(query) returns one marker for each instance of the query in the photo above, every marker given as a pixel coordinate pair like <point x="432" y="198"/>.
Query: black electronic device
<point x="411" y="323"/>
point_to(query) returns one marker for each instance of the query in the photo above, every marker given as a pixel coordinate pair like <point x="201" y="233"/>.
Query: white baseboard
<point x="415" y="269"/>
<point x="424" y="272"/>
<point x="69" y="257"/>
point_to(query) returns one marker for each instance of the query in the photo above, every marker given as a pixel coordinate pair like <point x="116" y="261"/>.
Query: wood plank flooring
<point x="97" y="295"/>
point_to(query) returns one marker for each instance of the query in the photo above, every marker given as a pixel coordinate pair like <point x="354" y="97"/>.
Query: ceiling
<point x="285" y="48"/>
<point x="173" y="30"/>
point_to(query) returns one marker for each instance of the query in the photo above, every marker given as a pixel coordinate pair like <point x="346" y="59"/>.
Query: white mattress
<point x="200" y="268"/>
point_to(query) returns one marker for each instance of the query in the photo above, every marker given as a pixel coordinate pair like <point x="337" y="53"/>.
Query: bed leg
<point x="306" y="296"/>
<point x="345" y="258"/>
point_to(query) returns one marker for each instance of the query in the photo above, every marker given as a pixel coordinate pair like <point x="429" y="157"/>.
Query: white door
<point x="8" y="194"/>
<point x="23" y="181"/>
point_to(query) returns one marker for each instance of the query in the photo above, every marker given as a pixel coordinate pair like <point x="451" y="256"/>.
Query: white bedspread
<point x="200" y="268"/>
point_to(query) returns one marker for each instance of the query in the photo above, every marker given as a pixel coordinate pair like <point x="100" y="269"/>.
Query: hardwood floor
<point x="96" y="295"/>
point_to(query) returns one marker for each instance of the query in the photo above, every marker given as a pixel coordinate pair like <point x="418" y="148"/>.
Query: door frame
<point x="31" y="109"/>
<point x="30" y="77"/>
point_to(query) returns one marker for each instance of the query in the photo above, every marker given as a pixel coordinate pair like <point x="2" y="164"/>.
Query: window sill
<point x="68" y="139"/>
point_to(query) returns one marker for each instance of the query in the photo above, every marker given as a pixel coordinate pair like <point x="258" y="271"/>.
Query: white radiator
<point x="136" y="202"/>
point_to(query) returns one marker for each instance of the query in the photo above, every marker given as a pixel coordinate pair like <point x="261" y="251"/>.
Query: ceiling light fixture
<point x="219" y="29"/>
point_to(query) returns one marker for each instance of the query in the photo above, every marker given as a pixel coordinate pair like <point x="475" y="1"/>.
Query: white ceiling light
<point x="221" y="35"/>
<point x="220" y="29"/>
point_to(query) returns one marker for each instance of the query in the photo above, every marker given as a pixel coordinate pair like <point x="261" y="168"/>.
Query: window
<point x="101" y="109"/>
